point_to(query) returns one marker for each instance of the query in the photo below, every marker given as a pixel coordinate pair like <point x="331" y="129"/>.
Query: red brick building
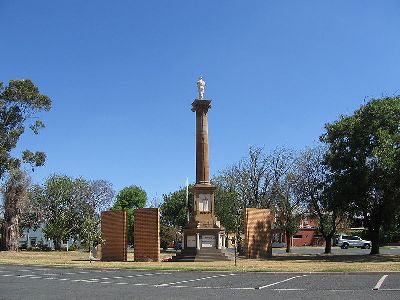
<point x="307" y="235"/>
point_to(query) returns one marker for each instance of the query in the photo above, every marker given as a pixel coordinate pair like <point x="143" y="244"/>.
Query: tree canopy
<point x="129" y="199"/>
<point x="364" y="160"/>
<point x="20" y="104"/>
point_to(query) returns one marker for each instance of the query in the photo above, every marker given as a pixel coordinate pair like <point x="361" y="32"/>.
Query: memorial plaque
<point x="191" y="241"/>
<point x="208" y="241"/>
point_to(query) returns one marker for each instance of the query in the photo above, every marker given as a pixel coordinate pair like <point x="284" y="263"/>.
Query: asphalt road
<point x="38" y="282"/>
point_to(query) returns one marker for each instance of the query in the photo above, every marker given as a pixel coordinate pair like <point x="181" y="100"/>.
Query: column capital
<point x="204" y="105"/>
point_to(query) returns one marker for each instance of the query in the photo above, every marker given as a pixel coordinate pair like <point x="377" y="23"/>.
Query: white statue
<point x="201" y="84"/>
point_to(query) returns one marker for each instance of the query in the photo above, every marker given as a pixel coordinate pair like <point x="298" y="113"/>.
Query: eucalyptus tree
<point x="16" y="203"/>
<point x="20" y="105"/>
<point x="289" y="206"/>
<point x="314" y="188"/>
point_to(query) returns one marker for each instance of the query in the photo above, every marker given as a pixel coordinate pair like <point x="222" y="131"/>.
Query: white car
<point x="346" y="241"/>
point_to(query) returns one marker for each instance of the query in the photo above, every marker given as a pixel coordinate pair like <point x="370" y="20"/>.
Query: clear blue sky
<point x="122" y="77"/>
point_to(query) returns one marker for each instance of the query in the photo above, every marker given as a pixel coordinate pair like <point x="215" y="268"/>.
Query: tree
<point x="174" y="209"/>
<point x="251" y="179"/>
<point x="20" y="102"/>
<point x="15" y="204"/>
<point x="314" y="188"/>
<point x="364" y="160"/>
<point x="129" y="199"/>
<point x="56" y="204"/>
<point x="289" y="204"/>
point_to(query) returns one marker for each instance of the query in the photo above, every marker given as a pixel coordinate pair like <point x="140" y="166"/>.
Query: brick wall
<point x="114" y="232"/>
<point x="257" y="229"/>
<point x="147" y="234"/>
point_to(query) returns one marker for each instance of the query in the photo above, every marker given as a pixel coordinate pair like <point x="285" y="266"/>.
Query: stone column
<point x="219" y="241"/>
<point x="202" y="163"/>
<point x="197" y="241"/>
<point x="183" y="241"/>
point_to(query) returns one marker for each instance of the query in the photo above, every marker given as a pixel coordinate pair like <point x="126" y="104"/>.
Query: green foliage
<point x="91" y="231"/>
<point x="167" y="235"/>
<point x="69" y="207"/>
<point x="228" y="207"/>
<point x="174" y="209"/>
<point x="364" y="159"/>
<point x="20" y="102"/>
<point x="129" y="199"/>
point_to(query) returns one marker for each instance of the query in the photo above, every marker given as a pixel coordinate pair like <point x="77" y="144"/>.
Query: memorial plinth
<point x="203" y="237"/>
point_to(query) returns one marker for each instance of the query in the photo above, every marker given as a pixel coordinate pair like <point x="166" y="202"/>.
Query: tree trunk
<point x="12" y="234"/>
<point x="288" y="241"/>
<point x="328" y="245"/>
<point x="57" y="244"/>
<point x="375" y="240"/>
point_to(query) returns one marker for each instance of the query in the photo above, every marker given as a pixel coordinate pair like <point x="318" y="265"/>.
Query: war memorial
<point x="203" y="237"/>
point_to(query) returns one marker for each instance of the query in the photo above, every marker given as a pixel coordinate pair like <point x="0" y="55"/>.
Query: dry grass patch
<point x="278" y="263"/>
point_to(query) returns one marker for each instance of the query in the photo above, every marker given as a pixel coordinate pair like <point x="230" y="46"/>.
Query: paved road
<point x="37" y="282"/>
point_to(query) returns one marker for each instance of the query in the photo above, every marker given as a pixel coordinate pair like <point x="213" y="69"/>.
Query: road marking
<point x="50" y="274"/>
<point x="7" y="275"/>
<point x="70" y="273"/>
<point x="289" y="289"/>
<point x="49" y="278"/>
<point x="121" y="283"/>
<point x="35" y="277"/>
<point x="141" y="284"/>
<point x="105" y="278"/>
<point x="117" y="277"/>
<point x="23" y="276"/>
<point x="197" y="279"/>
<point x="83" y="272"/>
<point x="278" y="282"/>
<point x="105" y="281"/>
<point x="379" y="283"/>
<point x="63" y="279"/>
<point x="24" y="270"/>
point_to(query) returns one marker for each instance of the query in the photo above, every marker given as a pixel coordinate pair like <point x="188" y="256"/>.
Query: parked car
<point x="346" y="241"/>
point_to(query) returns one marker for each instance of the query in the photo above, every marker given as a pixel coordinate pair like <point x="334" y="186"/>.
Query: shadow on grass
<point x="338" y="258"/>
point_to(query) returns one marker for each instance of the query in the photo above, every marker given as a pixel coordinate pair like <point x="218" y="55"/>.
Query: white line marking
<point x="50" y="274"/>
<point x="117" y="277"/>
<point x="289" y="289"/>
<point x="83" y="272"/>
<point x="105" y="278"/>
<point x="105" y="281"/>
<point x="140" y="284"/>
<point x="70" y="273"/>
<point x="35" y="277"/>
<point x="121" y="283"/>
<point x="278" y="282"/>
<point x="389" y="289"/>
<point x="7" y="275"/>
<point x="63" y="279"/>
<point x="23" y="276"/>
<point x="49" y="278"/>
<point x="380" y="282"/>
<point x="24" y="270"/>
<point x="198" y="279"/>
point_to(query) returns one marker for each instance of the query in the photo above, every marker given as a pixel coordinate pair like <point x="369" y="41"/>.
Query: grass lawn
<point x="278" y="263"/>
